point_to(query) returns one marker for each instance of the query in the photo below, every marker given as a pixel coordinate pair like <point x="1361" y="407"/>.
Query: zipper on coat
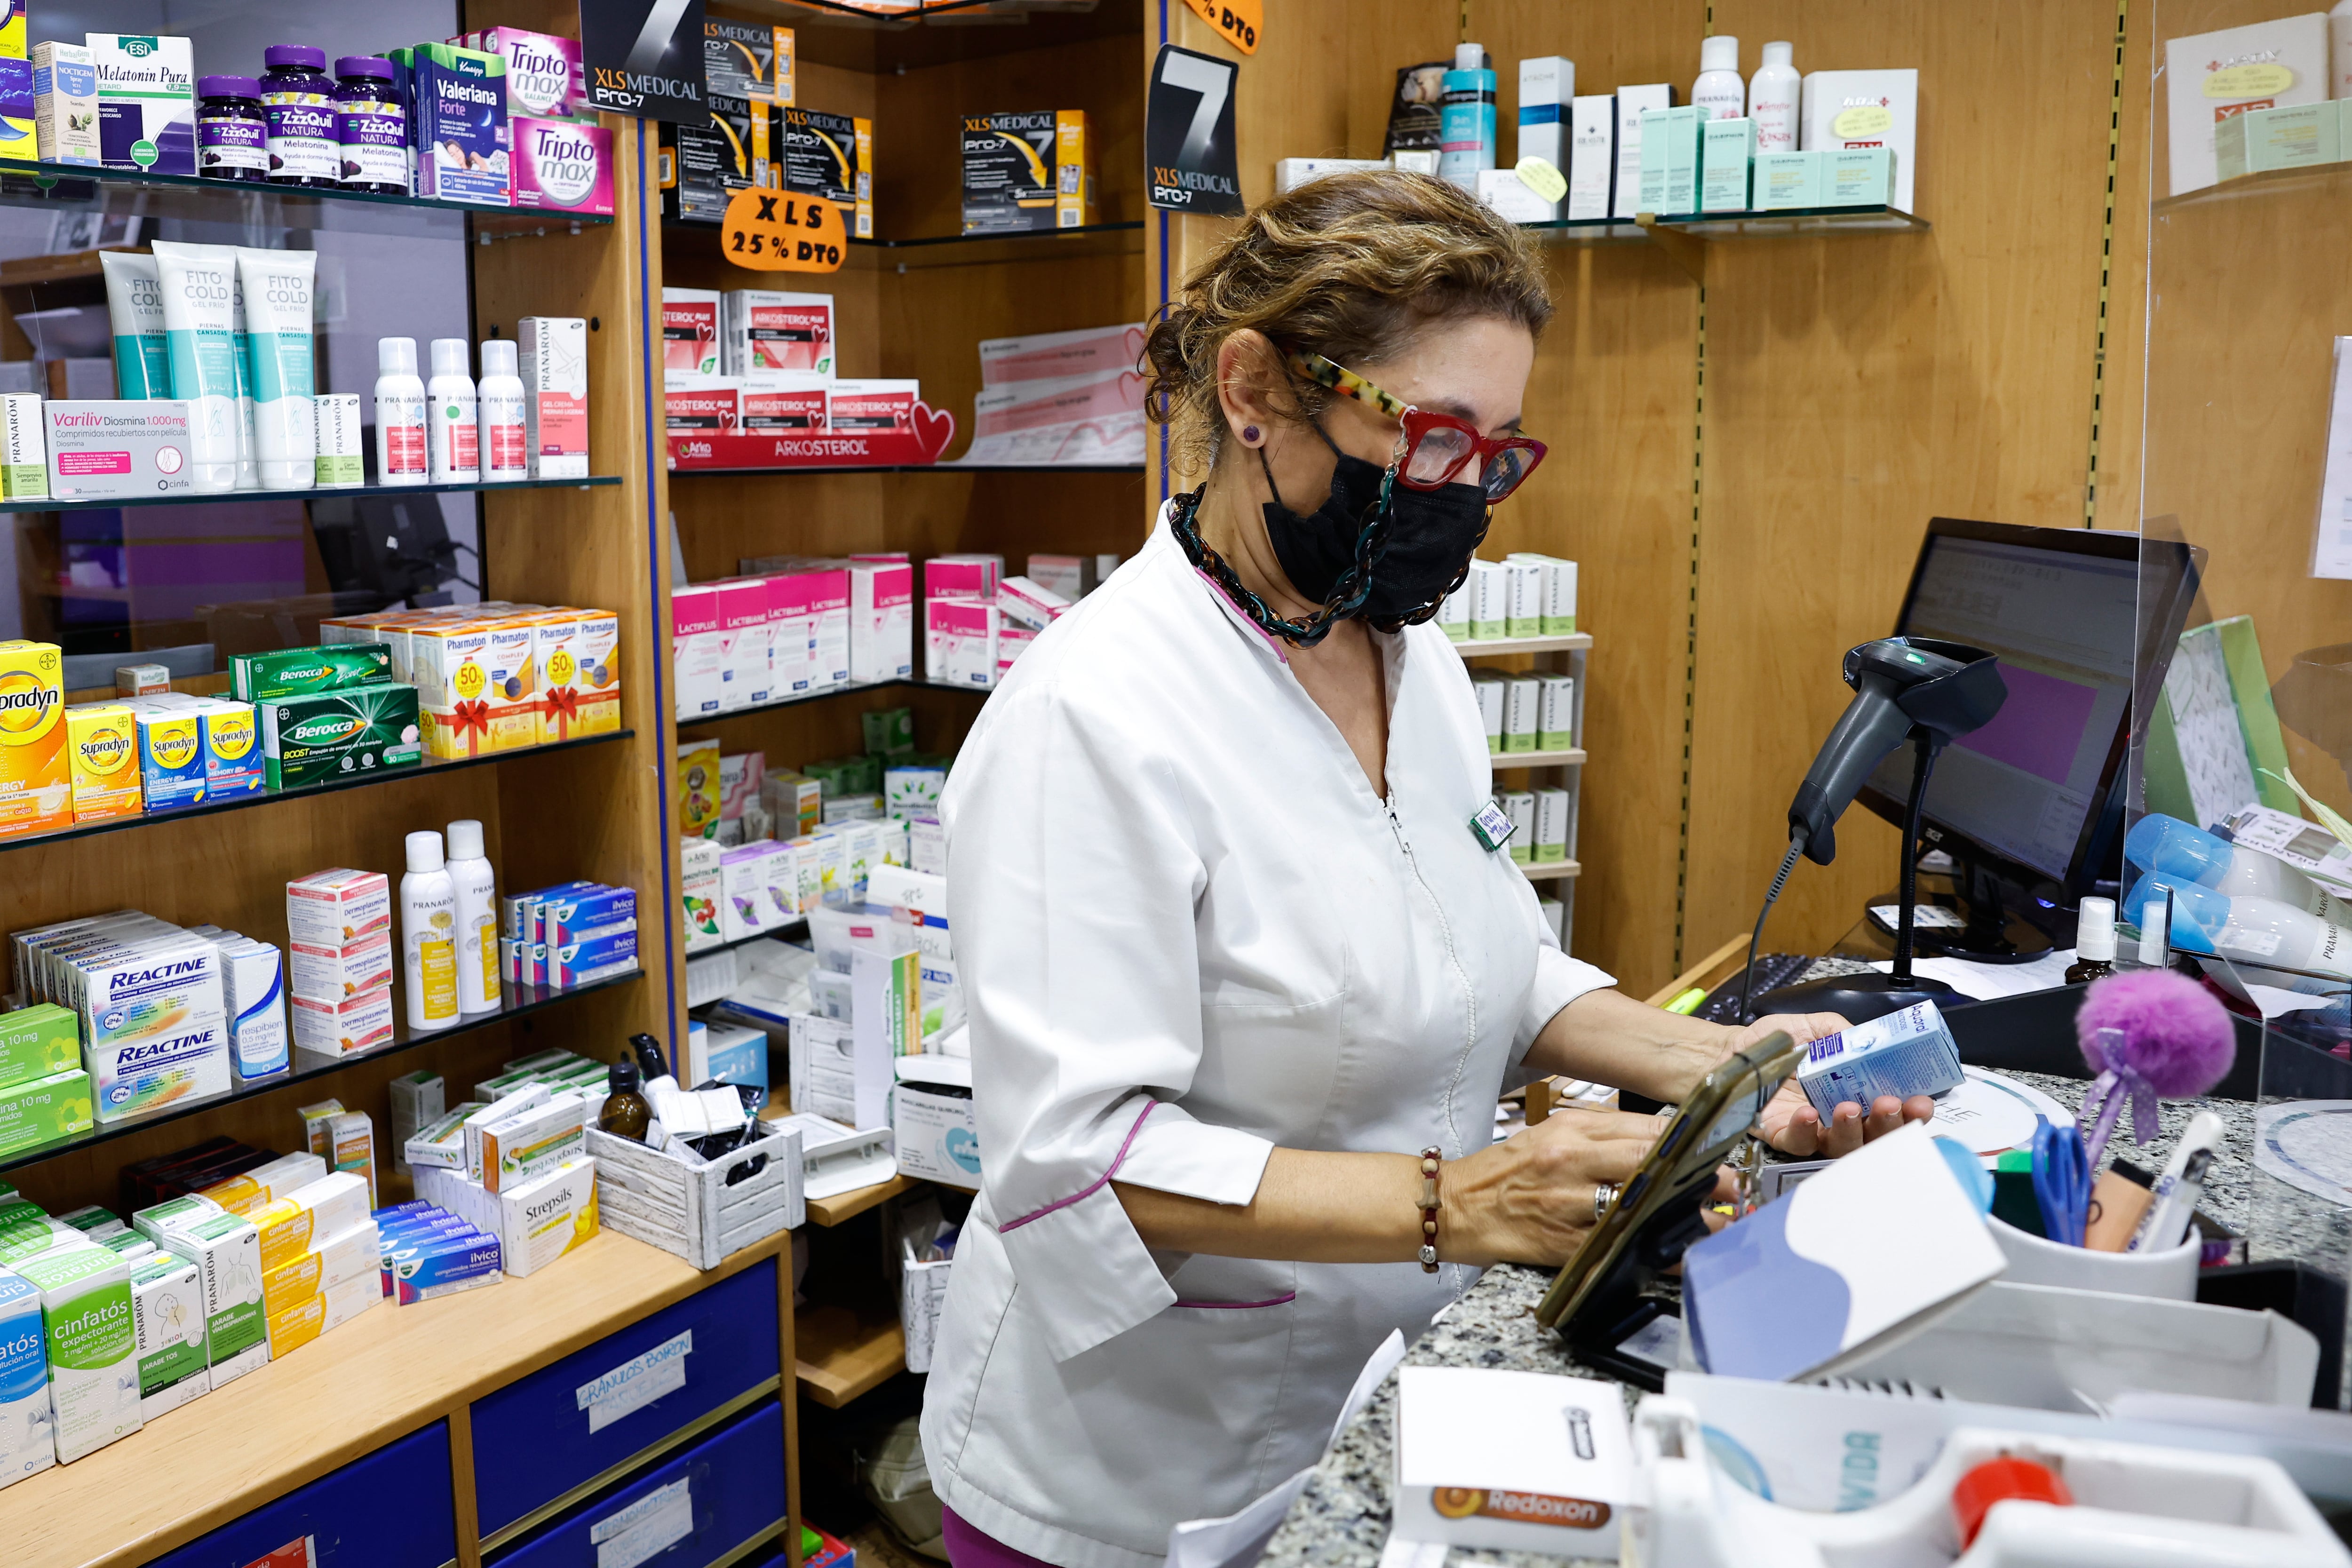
<point x="1469" y="996"/>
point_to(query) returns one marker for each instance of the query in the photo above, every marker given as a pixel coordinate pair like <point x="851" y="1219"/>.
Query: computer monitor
<point x="2029" y="806"/>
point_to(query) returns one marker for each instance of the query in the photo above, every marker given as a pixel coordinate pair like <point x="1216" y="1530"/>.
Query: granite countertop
<point x="1341" y="1521"/>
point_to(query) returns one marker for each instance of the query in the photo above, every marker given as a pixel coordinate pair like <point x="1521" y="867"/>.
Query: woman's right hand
<point x="1528" y="1199"/>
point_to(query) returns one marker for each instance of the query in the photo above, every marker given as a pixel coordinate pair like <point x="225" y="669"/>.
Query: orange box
<point x="103" y="760"/>
<point x="513" y="691"/>
<point x="36" y="786"/>
<point x="597" y="652"/>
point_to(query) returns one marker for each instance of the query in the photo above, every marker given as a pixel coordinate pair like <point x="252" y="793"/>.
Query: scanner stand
<point x="1621" y="1306"/>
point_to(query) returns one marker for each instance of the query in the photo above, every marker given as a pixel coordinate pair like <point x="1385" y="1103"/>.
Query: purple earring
<point x="1249" y="434"/>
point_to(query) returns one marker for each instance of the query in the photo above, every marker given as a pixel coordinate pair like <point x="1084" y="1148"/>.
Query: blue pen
<point x="2061" y="1181"/>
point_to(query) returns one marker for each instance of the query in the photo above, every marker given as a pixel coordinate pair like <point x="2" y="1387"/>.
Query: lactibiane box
<point x="92" y="1344"/>
<point x="26" y="1447"/>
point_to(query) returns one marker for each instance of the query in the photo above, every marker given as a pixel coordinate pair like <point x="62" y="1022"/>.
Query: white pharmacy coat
<point x="1191" y="933"/>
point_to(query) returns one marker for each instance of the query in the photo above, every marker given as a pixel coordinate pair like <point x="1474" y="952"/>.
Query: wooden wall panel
<point x="1858" y="387"/>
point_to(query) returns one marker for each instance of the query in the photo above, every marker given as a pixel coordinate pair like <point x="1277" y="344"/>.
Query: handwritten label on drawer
<point x="647" y="1528"/>
<point x="302" y="1554"/>
<point x="636" y="1383"/>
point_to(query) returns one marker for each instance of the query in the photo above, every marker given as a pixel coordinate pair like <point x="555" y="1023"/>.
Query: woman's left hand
<point x="1789" y="1121"/>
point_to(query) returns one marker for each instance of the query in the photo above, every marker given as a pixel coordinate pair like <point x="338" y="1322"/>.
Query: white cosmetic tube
<point x="199" y="284"/>
<point x="142" y="361"/>
<point x="279" y="348"/>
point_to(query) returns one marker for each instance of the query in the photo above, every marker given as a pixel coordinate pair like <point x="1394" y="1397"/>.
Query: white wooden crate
<point x="682" y="1204"/>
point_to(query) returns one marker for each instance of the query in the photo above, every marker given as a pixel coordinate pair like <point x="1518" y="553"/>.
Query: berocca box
<point x="336" y="734"/>
<point x="308" y="671"/>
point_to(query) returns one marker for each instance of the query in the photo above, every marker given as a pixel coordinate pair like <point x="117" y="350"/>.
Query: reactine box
<point x="1027" y="170"/>
<point x="112" y="449"/>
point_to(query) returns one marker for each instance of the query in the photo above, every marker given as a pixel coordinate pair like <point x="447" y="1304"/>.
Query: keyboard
<point x="1773" y="970"/>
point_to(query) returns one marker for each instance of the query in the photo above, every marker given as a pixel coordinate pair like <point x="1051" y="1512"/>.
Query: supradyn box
<point x="171" y="740"/>
<point x="114" y="449"/>
<point x="102" y="761"/>
<point x="35" y="783"/>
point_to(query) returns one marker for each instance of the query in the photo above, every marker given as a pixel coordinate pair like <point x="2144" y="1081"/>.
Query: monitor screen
<point x="2062" y="623"/>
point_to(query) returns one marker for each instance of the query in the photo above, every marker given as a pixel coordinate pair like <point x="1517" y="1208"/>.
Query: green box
<point x="1858" y="177"/>
<point x="46" y="1108"/>
<point x="1727" y="148"/>
<point x="1684" y="127"/>
<point x="37" y="1042"/>
<point x="339" y="734"/>
<point x="1784" y="180"/>
<point x="2302" y="136"/>
<point x="890" y="732"/>
<point x="308" y="671"/>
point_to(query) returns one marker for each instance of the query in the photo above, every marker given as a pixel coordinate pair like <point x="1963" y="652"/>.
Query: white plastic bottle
<point x="1773" y="96"/>
<point x="478" y="919"/>
<point x="2251" y="933"/>
<point x="452" y="424"/>
<point x="1719" y="90"/>
<point x="2171" y="847"/>
<point x="428" y="935"/>
<point x="399" y="414"/>
<point x="505" y="457"/>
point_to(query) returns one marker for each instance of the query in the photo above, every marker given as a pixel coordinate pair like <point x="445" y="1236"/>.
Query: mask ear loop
<point x="1263" y="463"/>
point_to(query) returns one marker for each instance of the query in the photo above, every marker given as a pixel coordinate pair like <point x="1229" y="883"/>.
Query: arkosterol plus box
<point x="101" y="450"/>
<point x="872" y="407"/>
<point x="459" y="126"/>
<point x="146" y="102"/>
<point x="339" y="734"/>
<point x="227" y="1250"/>
<point x="1902" y="1054"/>
<point x="93" y="1346"/>
<point x="26" y="1447"/>
<point x="690" y="339"/>
<point x="782" y="403"/>
<point x="561" y="165"/>
<point x="762" y="329"/>
<point x="554" y="370"/>
<point x="167" y="1314"/>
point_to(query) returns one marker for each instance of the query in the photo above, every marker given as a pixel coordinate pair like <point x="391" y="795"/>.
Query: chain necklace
<point x="1348" y="595"/>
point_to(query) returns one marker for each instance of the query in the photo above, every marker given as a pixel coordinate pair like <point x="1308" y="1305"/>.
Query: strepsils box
<point x="116" y="449"/>
<point x="1902" y="1054"/>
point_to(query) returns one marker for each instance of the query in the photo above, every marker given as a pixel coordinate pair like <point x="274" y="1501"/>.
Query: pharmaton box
<point x="26" y="1446"/>
<point x="597" y="653"/>
<point x="93" y="1346"/>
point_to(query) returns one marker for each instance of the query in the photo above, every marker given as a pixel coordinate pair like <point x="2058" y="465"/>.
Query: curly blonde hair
<point x="1348" y="265"/>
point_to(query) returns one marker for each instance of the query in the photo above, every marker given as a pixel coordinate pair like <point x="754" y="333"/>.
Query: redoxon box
<point x="1027" y="170"/>
<point x="458" y="102"/>
<point x="39" y="1041"/>
<point x="23" y="447"/>
<point x="333" y="908"/>
<point x="766" y="331"/>
<point x="93" y="1346"/>
<point x="167" y="1315"/>
<point x="26" y="1446"/>
<point x="554" y="367"/>
<point x="100" y="450"/>
<point x="227" y="1250"/>
<point x="146" y="102"/>
<point x="783" y="401"/>
<point x="690" y="343"/>
<point x="829" y="155"/>
<point x="337" y="734"/>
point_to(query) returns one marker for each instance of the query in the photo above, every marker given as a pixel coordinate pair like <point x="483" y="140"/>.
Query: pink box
<point x="743" y="674"/>
<point x="697" y="649"/>
<point x="828" y="594"/>
<point x="1042" y="356"/>
<point x="959" y="646"/>
<point x="563" y="166"/>
<point x="695" y="407"/>
<point x="793" y="401"/>
<point x="872" y="407"/>
<point x="881" y="620"/>
<point x="543" y="80"/>
<point x="1012" y="642"/>
<point x="1029" y="603"/>
<point x="789" y="634"/>
<point x="959" y="577"/>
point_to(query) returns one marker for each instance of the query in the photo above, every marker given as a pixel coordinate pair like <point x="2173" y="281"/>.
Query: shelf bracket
<point x="1686" y="252"/>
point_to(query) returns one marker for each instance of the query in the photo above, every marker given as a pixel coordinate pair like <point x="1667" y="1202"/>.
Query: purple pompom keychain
<point x="2148" y="1034"/>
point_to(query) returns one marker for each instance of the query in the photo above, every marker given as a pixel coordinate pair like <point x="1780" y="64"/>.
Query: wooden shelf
<point x="832" y="1211"/>
<point x="1550" y="870"/>
<point x="337" y="492"/>
<point x="1571" y="758"/>
<point x="842" y="1356"/>
<point x="846" y="688"/>
<point x="388" y="1372"/>
<point x="1495" y="647"/>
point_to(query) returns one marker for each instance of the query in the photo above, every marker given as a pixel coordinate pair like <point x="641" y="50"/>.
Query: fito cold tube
<point x="134" y="301"/>
<point x="278" y="352"/>
<point x="199" y="288"/>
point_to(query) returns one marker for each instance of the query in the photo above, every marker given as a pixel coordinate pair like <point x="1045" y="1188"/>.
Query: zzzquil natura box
<point x="26" y="1447"/>
<point x="93" y="1349"/>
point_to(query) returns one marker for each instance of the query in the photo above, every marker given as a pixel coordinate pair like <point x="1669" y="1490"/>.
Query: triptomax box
<point x="101" y="449"/>
<point x="1027" y="170"/>
<point x="829" y="155"/>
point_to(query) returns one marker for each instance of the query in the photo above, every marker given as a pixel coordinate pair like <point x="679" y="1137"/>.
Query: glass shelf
<point x="197" y="199"/>
<point x="970" y="249"/>
<point x="518" y="1002"/>
<point x="431" y="765"/>
<point x="676" y="474"/>
<point x="845" y="690"/>
<point x="1796" y="221"/>
<point x="2329" y="180"/>
<point x="1587" y="231"/>
<point x="347" y="493"/>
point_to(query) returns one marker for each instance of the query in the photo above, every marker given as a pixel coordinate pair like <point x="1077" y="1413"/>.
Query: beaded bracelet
<point x="1429" y="1162"/>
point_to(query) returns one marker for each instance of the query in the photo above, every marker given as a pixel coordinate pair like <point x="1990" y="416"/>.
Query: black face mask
<point x="1430" y="536"/>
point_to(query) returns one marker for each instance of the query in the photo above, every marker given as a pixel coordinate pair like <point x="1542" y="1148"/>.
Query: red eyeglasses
<point x="1434" y="447"/>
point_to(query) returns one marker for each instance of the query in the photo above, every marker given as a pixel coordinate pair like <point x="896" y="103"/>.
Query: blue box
<point x="586" y="916"/>
<point x="579" y="963"/>
<point x="443" y="1267"/>
<point x="735" y="1500"/>
<point x="459" y="127"/>
<point x="171" y="753"/>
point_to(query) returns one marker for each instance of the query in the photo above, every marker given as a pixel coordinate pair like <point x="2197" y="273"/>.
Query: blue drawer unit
<point x="565" y="1425"/>
<point x="688" y="1512"/>
<point x="390" y="1510"/>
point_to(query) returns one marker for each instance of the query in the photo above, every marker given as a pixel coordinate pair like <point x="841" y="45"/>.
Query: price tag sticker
<point x="782" y="231"/>
<point x="1538" y="175"/>
<point x="1238" y="21"/>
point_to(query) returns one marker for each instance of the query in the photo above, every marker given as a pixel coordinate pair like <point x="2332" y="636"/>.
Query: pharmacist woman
<point x="1233" y="949"/>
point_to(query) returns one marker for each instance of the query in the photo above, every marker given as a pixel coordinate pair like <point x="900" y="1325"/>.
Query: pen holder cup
<point x="2169" y="1276"/>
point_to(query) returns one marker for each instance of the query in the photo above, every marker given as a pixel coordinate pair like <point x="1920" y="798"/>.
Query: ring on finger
<point x="1604" y="1198"/>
